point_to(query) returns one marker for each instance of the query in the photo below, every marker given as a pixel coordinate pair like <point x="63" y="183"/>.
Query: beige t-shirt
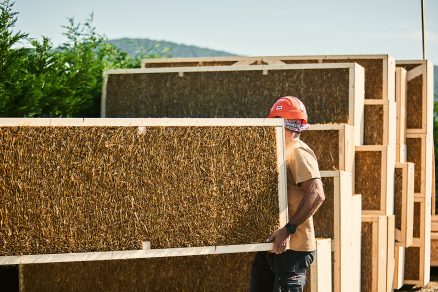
<point x="302" y="165"/>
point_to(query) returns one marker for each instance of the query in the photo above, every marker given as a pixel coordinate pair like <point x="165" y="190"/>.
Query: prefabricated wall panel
<point x="337" y="150"/>
<point x="404" y="202"/>
<point x="374" y="178"/>
<point x="379" y="122"/>
<point x="319" y="275"/>
<point x="379" y="69"/>
<point x="355" y="249"/>
<point x="390" y="261"/>
<point x="400" y="97"/>
<point x="225" y="272"/>
<point x="399" y="266"/>
<point x="98" y="185"/>
<point x="419" y="98"/>
<point x="418" y="256"/>
<point x="373" y="256"/>
<point x="334" y="220"/>
<point x="237" y="92"/>
<point x="419" y="151"/>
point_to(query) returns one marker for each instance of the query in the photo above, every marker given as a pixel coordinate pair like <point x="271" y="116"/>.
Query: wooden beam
<point x="132" y="254"/>
<point x="320" y="272"/>
<point x="404" y="202"/>
<point x="399" y="267"/>
<point x="390" y="262"/>
<point x="138" y="122"/>
<point x="400" y="95"/>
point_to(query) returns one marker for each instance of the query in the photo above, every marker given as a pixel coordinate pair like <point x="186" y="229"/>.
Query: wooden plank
<point x="355" y="249"/>
<point x="401" y="153"/>
<point x="420" y="151"/>
<point x="390" y="262"/>
<point x="140" y="122"/>
<point x="132" y="254"/>
<point x="333" y="220"/>
<point x="380" y="69"/>
<point x="404" y="203"/>
<point x="337" y="151"/>
<point x="225" y="92"/>
<point x="400" y="96"/>
<point x="380" y="122"/>
<point x="320" y="272"/>
<point x="374" y="249"/>
<point x="419" y="113"/>
<point x="375" y="164"/>
<point x="399" y="267"/>
<point x="282" y="176"/>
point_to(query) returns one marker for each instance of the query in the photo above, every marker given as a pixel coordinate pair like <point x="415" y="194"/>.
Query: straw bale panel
<point x="417" y="219"/>
<point x="366" y="256"/>
<point x="373" y="68"/>
<point x="373" y="124"/>
<point x="226" y="272"/>
<point x="325" y="145"/>
<point x="324" y="218"/>
<point x="373" y="75"/>
<point x="368" y="166"/>
<point x="414" y="110"/>
<point x="228" y="94"/>
<point x="398" y="197"/>
<point x="80" y="189"/>
<point x="412" y="263"/>
<point x="414" y="152"/>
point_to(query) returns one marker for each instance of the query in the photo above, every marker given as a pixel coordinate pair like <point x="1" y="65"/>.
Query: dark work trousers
<point x="284" y="272"/>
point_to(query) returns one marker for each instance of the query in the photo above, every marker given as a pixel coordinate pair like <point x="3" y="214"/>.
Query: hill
<point x="435" y="81"/>
<point x="134" y="46"/>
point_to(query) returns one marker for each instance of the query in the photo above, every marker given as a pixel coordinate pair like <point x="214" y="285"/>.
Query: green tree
<point x="45" y="81"/>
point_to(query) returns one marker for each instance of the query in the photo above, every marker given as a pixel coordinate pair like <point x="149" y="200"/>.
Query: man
<point x="281" y="269"/>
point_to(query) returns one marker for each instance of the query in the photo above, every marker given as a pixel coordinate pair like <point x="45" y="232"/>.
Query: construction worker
<point x="285" y="269"/>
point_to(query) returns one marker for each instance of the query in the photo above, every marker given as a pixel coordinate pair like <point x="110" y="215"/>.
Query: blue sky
<point x="277" y="27"/>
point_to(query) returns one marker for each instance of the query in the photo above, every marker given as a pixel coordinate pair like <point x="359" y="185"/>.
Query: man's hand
<point x="280" y="237"/>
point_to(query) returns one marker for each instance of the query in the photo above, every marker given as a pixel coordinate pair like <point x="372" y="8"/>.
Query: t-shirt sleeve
<point x="304" y="166"/>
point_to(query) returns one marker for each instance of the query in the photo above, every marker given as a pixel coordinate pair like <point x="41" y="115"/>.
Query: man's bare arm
<point x="312" y="200"/>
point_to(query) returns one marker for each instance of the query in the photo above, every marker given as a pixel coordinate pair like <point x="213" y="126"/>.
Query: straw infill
<point x="78" y="189"/>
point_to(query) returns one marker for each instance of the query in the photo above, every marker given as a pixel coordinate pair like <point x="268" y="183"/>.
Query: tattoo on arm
<point x="312" y="200"/>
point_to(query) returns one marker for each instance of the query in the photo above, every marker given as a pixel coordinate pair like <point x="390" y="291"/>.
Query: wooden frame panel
<point x="141" y="124"/>
<point x="388" y="122"/>
<point x="364" y="173"/>
<point x="320" y="272"/>
<point x="399" y="267"/>
<point x="423" y="169"/>
<point x="390" y="261"/>
<point x="340" y="228"/>
<point x="423" y="68"/>
<point x="355" y="86"/>
<point x="376" y="258"/>
<point x="342" y="157"/>
<point x="387" y="69"/>
<point x="355" y="249"/>
<point x="400" y="97"/>
<point x="419" y="261"/>
<point x="404" y="203"/>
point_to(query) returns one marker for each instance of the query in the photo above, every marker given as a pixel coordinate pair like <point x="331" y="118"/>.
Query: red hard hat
<point x="289" y="107"/>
